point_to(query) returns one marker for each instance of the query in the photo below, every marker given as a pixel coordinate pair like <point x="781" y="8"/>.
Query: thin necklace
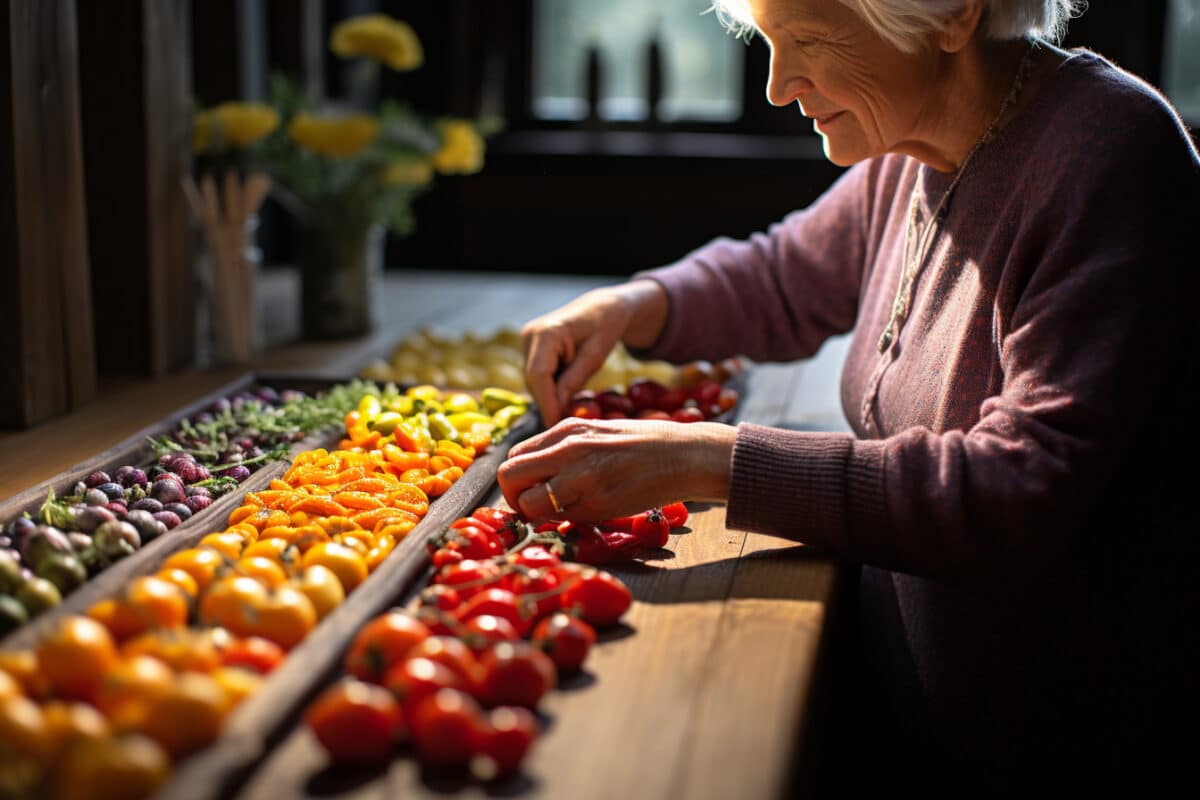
<point x="900" y="306"/>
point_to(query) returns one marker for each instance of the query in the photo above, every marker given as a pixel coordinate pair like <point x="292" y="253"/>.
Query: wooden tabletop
<point x="706" y="691"/>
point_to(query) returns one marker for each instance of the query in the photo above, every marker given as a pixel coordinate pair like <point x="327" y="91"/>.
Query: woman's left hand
<point x="600" y="469"/>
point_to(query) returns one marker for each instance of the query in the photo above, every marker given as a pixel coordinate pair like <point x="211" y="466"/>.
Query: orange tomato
<point x="66" y="722"/>
<point x="127" y="687"/>
<point x="265" y="570"/>
<point x="181" y="650"/>
<point x="147" y="602"/>
<point x="358" y="541"/>
<point x="187" y="716"/>
<point x="383" y="642"/>
<point x="9" y="686"/>
<point x="75" y="655"/>
<point x="349" y="566"/>
<point x="227" y="544"/>
<point x="285" y="617"/>
<point x="321" y="586"/>
<point x="355" y="722"/>
<point x="181" y="579"/>
<point x="127" y="766"/>
<point x="237" y="684"/>
<point x="309" y="535"/>
<point x="275" y="549"/>
<point x="337" y="524"/>
<point x="22" y="666"/>
<point x="233" y="603"/>
<point x="23" y="730"/>
<point x="202" y="563"/>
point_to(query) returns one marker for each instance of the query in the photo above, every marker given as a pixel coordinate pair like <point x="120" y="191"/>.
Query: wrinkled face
<point x="865" y="97"/>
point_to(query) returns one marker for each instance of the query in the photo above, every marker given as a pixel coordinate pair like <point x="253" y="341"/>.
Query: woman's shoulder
<point x="1095" y="112"/>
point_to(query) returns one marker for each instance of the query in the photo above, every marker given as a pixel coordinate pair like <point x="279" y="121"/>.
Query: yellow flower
<point x="232" y="125"/>
<point x="461" y="149"/>
<point x="411" y="172"/>
<point x="379" y="37"/>
<point x="335" y="137"/>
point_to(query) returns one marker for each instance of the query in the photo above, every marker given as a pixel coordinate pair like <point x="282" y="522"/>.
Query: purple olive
<point x="22" y="527"/>
<point x="147" y="504"/>
<point x="79" y="489"/>
<point x="238" y="472"/>
<point x="165" y="458"/>
<point x="121" y="471"/>
<point x="168" y="518"/>
<point x="95" y="497"/>
<point x="268" y="395"/>
<point x="198" y="491"/>
<point x="167" y="491"/>
<point x="6" y="543"/>
<point x="220" y="405"/>
<point x="118" y="508"/>
<point x="178" y="509"/>
<point x="197" y="503"/>
<point x="43" y="541"/>
<point x="147" y="526"/>
<point x="189" y="471"/>
<point x="93" y="517"/>
<point x="154" y="472"/>
<point x="116" y="539"/>
<point x="167" y="476"/>
<point x="79" y="541"/>
<point x="204" y="418"/>
<point x="114" y="491"/>
<point x="97" y="478"/>
<point x="291" y="395"/>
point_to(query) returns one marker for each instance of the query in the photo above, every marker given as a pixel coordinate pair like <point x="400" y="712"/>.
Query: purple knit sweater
<point x="1007" y="483"/>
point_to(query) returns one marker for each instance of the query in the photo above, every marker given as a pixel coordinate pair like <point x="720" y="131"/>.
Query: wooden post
<point x="135" y="70"/>
<point x="47" y="360"/>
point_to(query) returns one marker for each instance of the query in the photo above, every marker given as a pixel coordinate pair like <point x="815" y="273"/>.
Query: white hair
<point x="907" y="23"/>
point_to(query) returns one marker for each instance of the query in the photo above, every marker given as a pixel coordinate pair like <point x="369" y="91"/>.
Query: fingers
<point x="591" y="357"/>
<point x="545" y="350"/>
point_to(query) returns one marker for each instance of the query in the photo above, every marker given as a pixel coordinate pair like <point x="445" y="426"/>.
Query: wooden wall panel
<point x="135" y="58"/>
<point x="47" y="363"/>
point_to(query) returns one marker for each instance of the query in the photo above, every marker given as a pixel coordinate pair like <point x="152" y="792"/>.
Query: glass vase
<point x="341" y="277"/>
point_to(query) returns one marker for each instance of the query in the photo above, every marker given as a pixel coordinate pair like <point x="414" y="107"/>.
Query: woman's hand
<point x="600" y="469"/>
<point x="565" y="347"/>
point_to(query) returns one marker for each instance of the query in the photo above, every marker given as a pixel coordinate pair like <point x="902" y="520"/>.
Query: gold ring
<point x="558" y="509"/>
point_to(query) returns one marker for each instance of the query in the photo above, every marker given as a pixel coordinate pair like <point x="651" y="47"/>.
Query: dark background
<point x="598" y="198"/>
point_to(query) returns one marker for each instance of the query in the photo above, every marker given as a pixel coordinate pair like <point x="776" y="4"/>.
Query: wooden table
<point x="707" y="691"/>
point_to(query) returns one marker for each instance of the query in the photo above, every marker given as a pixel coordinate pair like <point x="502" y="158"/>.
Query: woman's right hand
<point x="565" y="347"/>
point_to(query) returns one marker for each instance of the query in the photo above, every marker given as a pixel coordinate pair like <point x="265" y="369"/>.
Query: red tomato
<point x="446" y="556"/>
<point x="651" y="528"/>
<point x="451" y="653"/>
<point x="705" y="392"/>
<point x="447" y="728"/>
<point x="505" y="523"/>
<point x="414" y="679"/>
<point x="440" y="596"/>
<point x="515" y="674"/>
<point x="688" y="414"/>
<point x="727" y="398"/>
<point x="676" y="513"/>
<point x="509" y="733"/>
<point x="653" y="413"/>
<point x="470" y="577"/>
<point x="671" y="399"/>
<point x="566" y="639"/>
<point x="614" y="402"/>
<point x="536" y="595"/>
<point x="485" y="630"/>
<point x="439" y="622"/>
<point x="253" y="653"/>
<point x="536" y="557"/>
<point x="584" y="409"/>
<point x="477" y="543"/>
<point x="355" y="722"/>
<point x="498" y="603"/>
<point x="599" y="596"/>
<point x="382" y="642"/>
<point x="644" y="393"/>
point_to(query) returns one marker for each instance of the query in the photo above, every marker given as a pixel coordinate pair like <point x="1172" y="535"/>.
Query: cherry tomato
<point x="515" y="674"/>
<point x="566" y="639"/>
<point x="447" y="728"/>
<point x="485" y="630"/>
<point x="676" y="513"/>
<point x="536" y="557"/>
<point x="383" y="642"/>
<point x="705" y="392"/>
<point x="509" y="733"/>
<point x="614" y="402"/>
<point x="451" y="653"/>
<point x="505" y="523"/>
<point x="671" y="400"/>
<point x="414" y="679"/>
<point x="498" y="603"/>
<point x="440" y="596"/>
<point x="470" y="577"/>
<point x="536" y="593"/>
<point x="357" y="723"/>
<point x="651" y="528"/>
<point x="599" y="596"/>
<point x="688" y="414"/>
<point x="644" y="393"/>
<point x="584" y="408"/>
<point x="446" y="556"/>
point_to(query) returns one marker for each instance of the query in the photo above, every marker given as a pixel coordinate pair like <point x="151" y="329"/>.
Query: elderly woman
<point x="1004" y="249"/>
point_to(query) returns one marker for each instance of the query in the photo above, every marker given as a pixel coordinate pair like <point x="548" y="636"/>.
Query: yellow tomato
<point x="321" y="586"/>
<point x="66" y="722"/>
<point x="22" y="666"/>
<point x="181" y="579"/>
<point x="202" y="563"/>
<point x="23" y="730"/>
<point x="265" y="570"/>
<point x="147" y="602"/>
<point x="345" y="562"/>
<point x="182" y="650"/>
<point x="237" y="684"/>
<point x="228" y="544"/>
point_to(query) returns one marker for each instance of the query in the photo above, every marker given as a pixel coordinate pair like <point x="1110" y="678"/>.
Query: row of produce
<point x="98" y="700"/>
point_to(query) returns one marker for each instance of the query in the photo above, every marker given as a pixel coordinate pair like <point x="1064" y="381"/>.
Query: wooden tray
<point x="135" y="450"/>
<point x="266" y="716"/>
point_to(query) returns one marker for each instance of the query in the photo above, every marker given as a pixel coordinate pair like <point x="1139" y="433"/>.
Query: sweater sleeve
<point x="778" y="295"/>
<point x="1095" y="330"/>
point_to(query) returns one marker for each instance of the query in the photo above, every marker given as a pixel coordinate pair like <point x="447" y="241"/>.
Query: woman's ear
<point x="961" y="26"/>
